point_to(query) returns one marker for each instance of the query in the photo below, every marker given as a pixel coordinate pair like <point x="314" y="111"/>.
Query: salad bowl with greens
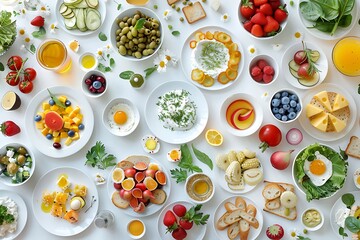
<point x="7" y="31"/>
<point x="319" y="171"/>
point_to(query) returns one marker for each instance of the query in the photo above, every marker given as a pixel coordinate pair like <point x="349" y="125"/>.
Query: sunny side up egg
<point x="121" y="117"/>
<point x="318" y="170"/>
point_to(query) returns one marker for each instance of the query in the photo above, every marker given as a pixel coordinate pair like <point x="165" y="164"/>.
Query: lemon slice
<point x="74" y="45"/>
<point x="214" y="137"/>
<point x="118" y="175"/>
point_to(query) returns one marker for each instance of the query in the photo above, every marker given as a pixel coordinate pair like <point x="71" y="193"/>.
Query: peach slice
<point x="136" y="192"/>
<point x="234" y="106"/>
<point x="139" y="176"/>
<point x="160" y="177"/>
<point x="245" y="124"/>
<point x="150" y="183"/>
<point x="134" y="203"/>
<point x="246" y="115"/>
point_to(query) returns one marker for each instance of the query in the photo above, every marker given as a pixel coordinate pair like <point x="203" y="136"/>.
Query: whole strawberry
<point x="179" y="233"/>
<point x="9" y="128"/>
<point x="38" y="21"/>
<point x="179" y="210"/>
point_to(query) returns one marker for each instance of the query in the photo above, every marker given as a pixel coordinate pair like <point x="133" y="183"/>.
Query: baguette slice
<point x="272" y="191"/>
<point x="273" y="204"/>
<point x="221" y="224"/>
<point x="244" y="229"/>
<point x="233" y="230"/>
<point x="240" y="203"/>
<point x="159" y="196"/>
<point x="230" y="207"/>
<point x="353" y="148"/>
<point x="194" y="13"/>
<point x="281" y="212"/>
<point x="285" y="186"/>
<point x="118" y="201"/>
<point x="241" y="214"/>
<point x="251" y="209"/>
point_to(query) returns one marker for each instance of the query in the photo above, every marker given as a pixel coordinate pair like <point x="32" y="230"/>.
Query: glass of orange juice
<point x="346" y="56"/>
<point x="52" y="55"/>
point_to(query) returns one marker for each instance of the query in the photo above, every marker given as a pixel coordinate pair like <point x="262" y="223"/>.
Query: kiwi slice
<point x="136" y="80"/>
<point x="10" y="101"/>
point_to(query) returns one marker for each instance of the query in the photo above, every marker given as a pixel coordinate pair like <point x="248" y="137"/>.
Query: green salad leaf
<point x="334" y="183"/>
<point x="7" y="30"/>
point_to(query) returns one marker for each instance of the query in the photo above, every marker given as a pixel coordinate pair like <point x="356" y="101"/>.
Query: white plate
<point x="321" y="64"/>
<point x="337" y="205"/>
<point x="220" y="210"/>
<point x="186" y="58"/>
<point x="76" y="32"/>
<point x="44" y="145"/>
<point x="151" y="208"/>
<point x="197" y="232"/>
<point x="220" y="178"/>
<point x="176" y="137"/>
<point x="339" y="33"/>
<point x="59" y="226"/>
<point x="328" y="136"/>
<point x="22" y="210"/>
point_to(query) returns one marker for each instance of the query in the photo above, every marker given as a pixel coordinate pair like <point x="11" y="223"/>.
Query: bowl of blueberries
<point x="94" y="84"/>
<point x="285" y="106"/>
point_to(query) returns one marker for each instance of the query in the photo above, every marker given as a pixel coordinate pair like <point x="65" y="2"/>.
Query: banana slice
<point x="222" y="161"/>
<point x="234" y="171"/>
<point x="288" y="199"/>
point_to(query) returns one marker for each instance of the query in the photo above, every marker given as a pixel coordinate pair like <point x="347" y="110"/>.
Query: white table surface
<point x="123" y="146"/>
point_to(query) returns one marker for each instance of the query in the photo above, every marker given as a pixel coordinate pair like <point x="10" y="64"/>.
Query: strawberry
<point x="259" y="2"/>
<point x="268" y="70"/>
<point x="281" y="14"/>
<point x="179" y="233"/>
<point x="186" y="224"/>
<point x="255" y="71"/>
<point x="258" y="77"/>
<point x="275" y="232"/>
<point x="274" y="4"/>
<point x="38" y="21"/>
<point x="262" y="63"/>
<point x="248" y="25"/>
<point x="267" y="78"/>
<point x="257" y="30"/>
<point x="259" y="18"/>
<point x="266" y="9"/>
<point x="169" y="219"/>
<point x="247" y="9"/>
<point x="179" y="210"/>
<point x="271" y="26"/>
<point x="9" y="128"/>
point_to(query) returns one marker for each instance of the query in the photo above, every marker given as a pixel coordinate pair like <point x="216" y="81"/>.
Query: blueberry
<point x="294" y="97"/>
<point x="291" y="110"/>
<point x="71" y="133"/>
<point x="293" y="103"/>
<point x="285" y="100"/>
<point x="81" y="126"/>
<point x="96" y="84"/>
<point x="286" y="106"/>
<point x="67" y="103"/>
<point x="284" y="94"/>
<point x="275" y="102"/>
<point x="37" y="118"/>
<point x="277" y="95"/>
<point x="292" y="115"/>
<point x="51" y="102"/>
<point x="298" y="107"/>
<point x="275" y="110"/>
<point x="281" y="111"/>
<point x="278" y="116"/>
<point x="284" y="118"/>
<point x="49" y="136"/>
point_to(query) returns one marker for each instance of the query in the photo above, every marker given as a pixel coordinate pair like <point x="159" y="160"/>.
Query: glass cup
<point x="52" y="55"/>
<point x="346" y="56"/>
<point x="104" y="219"/>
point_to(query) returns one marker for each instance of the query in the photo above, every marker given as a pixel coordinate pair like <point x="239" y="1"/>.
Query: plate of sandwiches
<point x="238" y="216"/>
<point x="329" y="112"/>
<point x="280" y="199"/>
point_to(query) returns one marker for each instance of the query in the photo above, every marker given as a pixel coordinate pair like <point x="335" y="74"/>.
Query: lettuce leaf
<point x="7" y="30"/>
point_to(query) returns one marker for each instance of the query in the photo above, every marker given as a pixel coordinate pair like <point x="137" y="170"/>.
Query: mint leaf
<point x="118" y="6"/>
<point x="1" y="67"/>
<point x="175" y="33"/>
<point x="126" y="74"/>
<point x="203" y="157"/>
<point x="149" y="71"/>
<point x="32" y="48"/>
<point x="102" y="36"/>
<point x="112" y="62"/>
<point x="140" y="23"/>
<point x="39" y="34"/>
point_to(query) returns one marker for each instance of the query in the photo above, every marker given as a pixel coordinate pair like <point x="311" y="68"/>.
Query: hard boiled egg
<point x="357" y="178"/>
<point x="150" y="144"/>
<point x="174" y="155"/>
<point x="318" y="170"/>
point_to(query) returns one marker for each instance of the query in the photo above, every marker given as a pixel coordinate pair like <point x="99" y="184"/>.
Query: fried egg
<point x="121" y="117"/>
<point x="318" y="170"/>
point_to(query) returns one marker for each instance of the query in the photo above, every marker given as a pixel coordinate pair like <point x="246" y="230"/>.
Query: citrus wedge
<point x="214" y="137"/>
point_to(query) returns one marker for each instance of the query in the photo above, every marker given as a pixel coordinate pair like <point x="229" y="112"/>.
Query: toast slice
<point x="286" y="186"/>
<point x="171" y="2"/>
<point x="272" y="191"/>
<point x="194" y="13"/>
<point x="118" y="201"/>
<point x="233" y="230"/>
<point x="273" y="204"/>
<point x="221" y="224"/>
<point x="281" y="212"/>
<point x="241" y="214"/>
<point x="230" y="207"/>
<point x="353" y="148"/>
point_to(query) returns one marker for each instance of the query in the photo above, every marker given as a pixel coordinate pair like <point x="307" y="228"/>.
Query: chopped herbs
<point x="5" y="217"/>
<point x="213" y="56"/>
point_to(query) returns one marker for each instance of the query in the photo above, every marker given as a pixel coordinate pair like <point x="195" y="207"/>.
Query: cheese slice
<point x="312" y="110"/>
<point x="340" y="102"/>
<point x="338" y="124"/>
<point x="323" y="98"/>
<point x="320" y="122"/>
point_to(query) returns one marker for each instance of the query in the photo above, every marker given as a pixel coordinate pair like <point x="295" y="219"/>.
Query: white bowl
<point x="133" y="236"/>
<point x="187" y="183"/>
<point x="132" y="107"/>
<point x="271" y="61"/>
<point x="258" y="114"/>
<point x="95" y="64"/>
<point x="131" y="12"/>
<point x="85" y="88"/>
<point x="316" y="227"/>
<point x="7" y="180"/>
<point x="291" y="92"/>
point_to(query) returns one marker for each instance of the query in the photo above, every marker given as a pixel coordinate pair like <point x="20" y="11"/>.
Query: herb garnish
<point x="193" y="215"/>
<point x="97" y="156"/>
<point x="202" y="157"/>
<point x="5" y="217"/>
<point x="140" y="23"/>
<point x="56" y="100"/>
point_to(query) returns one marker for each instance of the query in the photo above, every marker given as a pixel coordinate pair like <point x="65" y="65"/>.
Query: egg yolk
<point x="120" y="117"/>
<point x="174" y="154"/>
<point x="358" y="180"/>
<point x="317" y="167"/>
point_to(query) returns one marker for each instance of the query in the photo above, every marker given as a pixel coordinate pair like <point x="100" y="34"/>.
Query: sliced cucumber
<point x="93" y="20"/>
<point x="294" y="73"/>
<point x="71" y="2"/>
<point x="67" y="12"/>
<point x="293" y="65"/>
<point x="70" y="22"/>
<point x="80" y="19"/>
<point x="309" y="82"/>
<point x="71" y="15"/>
<point x="314" y="55"/>
<point x="92" y="3"/>
<point x="62" y="8"/>
<point x="82" y="4"/>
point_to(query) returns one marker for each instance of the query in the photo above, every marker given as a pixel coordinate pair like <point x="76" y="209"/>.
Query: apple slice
<point x="234" y="106"/>
<point x="246" y="115"/>
<point x="245" y="124"/>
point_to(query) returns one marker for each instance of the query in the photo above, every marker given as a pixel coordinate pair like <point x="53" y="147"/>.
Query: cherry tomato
<point x="304" y="71"/>
<point x="300" y="57"/>
<point x="26" y="86"/>
<point x="14" y="63"/>
<point x="11" y="78"/>
<point x="270" y="136"/>
<point x="29" y="74"/>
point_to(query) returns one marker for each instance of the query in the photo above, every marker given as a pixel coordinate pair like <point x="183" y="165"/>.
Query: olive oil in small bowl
<point x="199" y="187"/>
<point x="88" y="61"/>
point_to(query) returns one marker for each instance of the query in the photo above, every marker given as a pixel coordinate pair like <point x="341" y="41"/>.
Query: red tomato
<point x="14" y="63"/>
<point x="300" y="57"/>
<point x="29" y="74"/>
<point x="11" y="78"/>
<point x="26" y="86"/>
<point x="270" y="136"/>
<point x="305" y="70"/>
<point x="247" y="9"/>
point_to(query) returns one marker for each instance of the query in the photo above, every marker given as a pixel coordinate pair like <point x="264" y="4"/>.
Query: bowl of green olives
<point x="136" y="34"/>
<point x="17" y="164"/>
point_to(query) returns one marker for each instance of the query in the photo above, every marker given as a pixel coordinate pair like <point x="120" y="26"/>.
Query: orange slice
<point x="208" y="81"/>
<point x="222" y="78"/>
<point x="74" y="45"/>
<point x="224" y="38"/>
<point x="197" y="75"/>
<point x="199" y="36"/>
<point x="193" y="44"/>
<point x="231" y="74"/>
<point x="128" y="184"/>
<point x="214" y="137"/>
<point x="209" y="35"/>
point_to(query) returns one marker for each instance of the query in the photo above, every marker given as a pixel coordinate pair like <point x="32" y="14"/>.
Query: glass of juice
<point x="136" y="229"/>
<point x="52" y="55"/>
<point x="346" y="56"/>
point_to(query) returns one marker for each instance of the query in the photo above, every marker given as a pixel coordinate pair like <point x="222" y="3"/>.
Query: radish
<point x="280" y="160"/>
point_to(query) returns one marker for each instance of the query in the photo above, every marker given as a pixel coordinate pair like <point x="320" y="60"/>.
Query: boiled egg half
<point x="318" y="170"/>
<point x="174" y="155"/>
<point x="357" y="178"/>
<point x="150" y="144"/>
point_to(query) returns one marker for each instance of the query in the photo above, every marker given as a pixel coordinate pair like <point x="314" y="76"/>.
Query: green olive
<point x="138" y="13"/>
<point x="118" y="20"/>
<point x="22" y="150"/>
<point x="122" y="50"/>
<point x="158" y="41"/>
<point x="12" y="168"/>
<point x="127" y="46"/>
<point x="141" y="45"/>
<point x="145" y="52"/>
<point x="152" y="45"/>
<point x="156" y="21"/>
<point x="118" y="32"/>
<point x="122" y="25"/>
<point x="140" y="34"/>
<point x="126" y="25"/>
<point x="129" y="35"/>
<point x="133" y="22"/>
<point x="151" y="51"/>
<point x="134" y="48"/>
<point x="131" y="44"/>
<point x="125" y="19"/>
<point x="125" y="30"/>
<point x="129" y="21"/>
<point x="136" y="41"/>
<point x="142" y="15"/>
<point x="123" y="39"/>
<point x="153" y="38"/>
<point x="158" y="33"/>
<point x="117" y="38"/>
<point x="141" y="31"/>
<point x="147" y="24"/>
<point x="134" y="32"/>
<point x="21" y="159"/>
<point x="153" y="32"/>
<point x="155" y="25"/>
<point x="129" y="52"/>
<point x="118" y="44"/>
<point x="121" y="34"/>
<point x="4" y="160"/>
<point x="138" y="54"/>
<point x="137" y="16"/>
<point x="147" y="31"/>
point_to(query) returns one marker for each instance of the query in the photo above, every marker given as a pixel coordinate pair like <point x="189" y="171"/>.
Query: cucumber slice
<point x="62" y="8"/>
<point x="70" y="22"/>
<point x="309" y="82"/>
<point x="71" y="2"/>
<point x="82" y="4"/>
<point x="314" y="55"/>
<point x="294" y="73"/>
<point x="293" y="65"/>
<point x="80" y="19"/>
<point x="71" y="15"/>
<point x="92" y="3"/>
<point x="67" y="12"/>
<point x="93" y="19"/>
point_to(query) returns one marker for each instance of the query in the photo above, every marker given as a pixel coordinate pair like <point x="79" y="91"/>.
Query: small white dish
<point x="85" y="87"/>
<point x="271" y="61"/>
<point x="317" y="227"/>
<point x="115" y="129"/>
<point x="291" y="92"/>
<point x="96" y="61"/>
<point x="356" y="178"/>
<point x="196" y="179"/>
<point x="134" y="236"/>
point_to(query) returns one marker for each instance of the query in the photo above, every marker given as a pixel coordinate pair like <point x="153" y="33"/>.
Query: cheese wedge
<point x="340" y="102"/>
<point x="312" y="110"/>
<point x="323" y="98"/>
<point x="320" y="122"/>
<point x="338" y="124"/>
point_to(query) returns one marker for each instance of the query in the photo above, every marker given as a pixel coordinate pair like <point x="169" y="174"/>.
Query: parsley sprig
<point x="5" y="217"/>
<point x="97" y="157"/>
<point x="193" y="215"/>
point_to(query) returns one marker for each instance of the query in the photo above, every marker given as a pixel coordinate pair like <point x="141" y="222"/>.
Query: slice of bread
<point x="159" y="196"/>
<point x="240" y="203"/>
<point x="171" y="2"/>
<point x="234" y="216"/>
<point x="118" y="201"/>
<point x="286" y="186"/>
<point x="251" y="209"/>
<point x="272" y="191"/>
<point x="281" y="212"/>
<point x="244" y="229"/>
<point x="221" y="224"/>
<point x="353" y="148"/>
<point x="124" y="164"/>
<point x="138" y="158"/>
<point x="273" y="204"/>
<point x="194" y="13"/>
<point x="230" y="207"/>
<point x="233" y="230"/>
<point x="241" y="214"/>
